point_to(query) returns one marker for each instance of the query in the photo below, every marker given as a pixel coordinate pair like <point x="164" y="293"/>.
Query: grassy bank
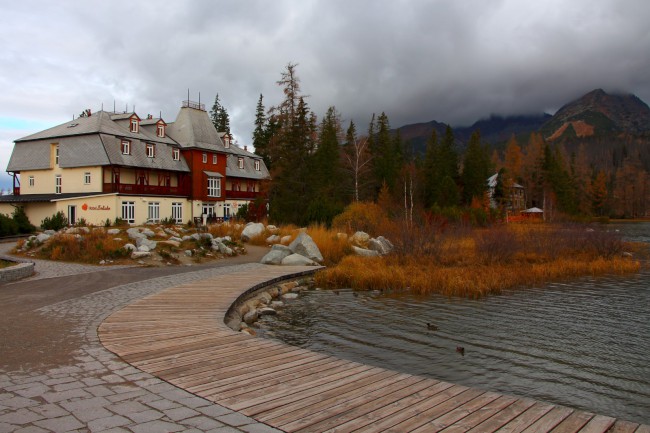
<point x="478" y="262"/>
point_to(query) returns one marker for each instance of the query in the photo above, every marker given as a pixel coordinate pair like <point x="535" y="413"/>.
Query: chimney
<point x="246" y="148"/>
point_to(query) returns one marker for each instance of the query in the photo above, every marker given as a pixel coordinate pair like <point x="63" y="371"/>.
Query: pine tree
<point x="386" y="154"/>
<point x="476" y="170"/>
<point x="599" y="193"/>
<point x="261" y="135"/>
<point x="219" y="116"/>
<point x="440" y="171"/>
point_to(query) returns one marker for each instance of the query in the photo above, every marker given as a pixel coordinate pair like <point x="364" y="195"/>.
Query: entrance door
<point x="72" y="214"/>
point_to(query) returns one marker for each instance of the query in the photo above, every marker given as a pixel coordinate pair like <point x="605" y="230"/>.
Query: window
<point x="161" y="130"/>
<point x="128" y="211"/>
<point x="126" y="147"/>
<point x="214" y="159"/>
<point x="205" y="158"/>
<point x="134" y="124"/>
<point x="151" y="150"/>
<point x="240" y="162"/>
<point x="207" y="209"/>
<point x="176" y="154"/>
<point x="226" y="142"/>
<point x="86" y="178"/>
<point x="257" y="164"/>
<point x="57" y="184"/>
<point x="214" y="187"/>
<point x="153" y="215"/>
<point x="177" y="212"/>
<point x="226" y="210"/>
<point x="31" y="180"/>
<point x="56" y="155"/>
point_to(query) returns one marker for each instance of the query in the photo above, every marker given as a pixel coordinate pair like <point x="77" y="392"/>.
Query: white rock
<point x="266" y="311"/>
<point x="360" y="239"/>
<point x="42" y="237"/>
<point x="140" y="254"/>
<point x="286" y="240"/>
<point x="364" y="252"/>
<point x="252" y="230"/>
<point x="290" y="296"/>
<point x="113" y="231"/>
<point x="298" y="260"/>
<point x="188" y="253"/>
<point x="143" y="249"/>
<point x="130" y="247"/>
<point x="305" y="246"/>
<point x="273" y="239"/>
<point x="271" y="228"/>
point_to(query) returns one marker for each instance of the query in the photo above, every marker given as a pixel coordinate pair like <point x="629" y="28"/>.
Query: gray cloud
<point x="452" y="61"/>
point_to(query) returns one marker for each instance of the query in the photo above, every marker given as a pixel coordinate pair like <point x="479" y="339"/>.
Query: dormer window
<point x="176" y="154"/>
<point x="226" y="142"/>
<point x="151" y="150"/>
<point x="135" y="124"/>
<point x="161" y="130"/>
<point x="240" y="162"/>
<point x="257" y="165"/>
<point x="126" y="147"/>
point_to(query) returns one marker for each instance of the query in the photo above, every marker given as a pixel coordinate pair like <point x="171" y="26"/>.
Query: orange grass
<point x="426" y="276"/>
<point x="332" y="247"/>
<point x="90" y="248"/>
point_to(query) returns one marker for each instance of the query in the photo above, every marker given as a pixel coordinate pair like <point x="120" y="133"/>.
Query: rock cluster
<point x="246" y="312"/>
<point x="301" y="252"/>
<point x="364" y="245"/>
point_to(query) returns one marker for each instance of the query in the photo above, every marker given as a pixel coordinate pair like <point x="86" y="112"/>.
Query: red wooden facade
<point x="199" y="183"/>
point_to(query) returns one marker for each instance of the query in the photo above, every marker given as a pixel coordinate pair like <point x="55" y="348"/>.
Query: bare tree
<point x="357" y="159"/>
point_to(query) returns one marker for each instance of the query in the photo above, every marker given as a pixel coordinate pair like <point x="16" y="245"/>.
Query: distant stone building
<point x="108" y="165"/>
<point x="515" y="197"/>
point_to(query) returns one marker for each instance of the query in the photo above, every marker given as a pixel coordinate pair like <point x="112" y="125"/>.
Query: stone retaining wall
<point x="24" y="269"/>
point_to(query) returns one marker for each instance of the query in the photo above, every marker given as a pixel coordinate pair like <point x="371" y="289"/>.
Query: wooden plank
<point x="359" y="406"/>
<point x="481" y="415"/>
<point x="457" y="414"/>
<point x="573" y="422"/>
<point x="551" y="419"/>
<point x="598" y="424"/>
<point x="623" y="427"/>
<point x="515" y="418"/>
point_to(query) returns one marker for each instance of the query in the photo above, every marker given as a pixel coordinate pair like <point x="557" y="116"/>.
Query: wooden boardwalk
<point x="179" y="336"/>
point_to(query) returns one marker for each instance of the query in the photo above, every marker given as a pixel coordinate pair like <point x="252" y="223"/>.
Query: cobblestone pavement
<point x="98" y="392"/>
<point x="51" y="269"/>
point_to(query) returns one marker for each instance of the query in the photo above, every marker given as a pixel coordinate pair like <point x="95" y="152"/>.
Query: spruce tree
<point x="261" y="135"/>
<point x="476" y="170"/>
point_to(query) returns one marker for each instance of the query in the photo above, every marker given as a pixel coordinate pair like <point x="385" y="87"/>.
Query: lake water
<point x="583" y="344"/>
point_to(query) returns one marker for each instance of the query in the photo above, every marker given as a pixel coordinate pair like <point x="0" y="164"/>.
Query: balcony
<point x="242" y="194"/>
<point x="146" y="189"/>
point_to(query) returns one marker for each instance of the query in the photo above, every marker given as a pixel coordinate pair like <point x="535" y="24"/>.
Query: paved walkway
<point x="94" y="390"/>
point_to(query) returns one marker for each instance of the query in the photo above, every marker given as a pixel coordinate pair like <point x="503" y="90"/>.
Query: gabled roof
<point x="99" y="122"/>
<point x="492" y="182"/>
<point x="194" y="129"/>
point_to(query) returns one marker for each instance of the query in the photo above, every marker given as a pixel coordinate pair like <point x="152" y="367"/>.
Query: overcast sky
<point x="452" y="61"/>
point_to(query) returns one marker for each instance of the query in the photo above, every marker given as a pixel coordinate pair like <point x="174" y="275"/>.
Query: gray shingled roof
<point x="35" y="198"/>
<point x="248" y="172"/>
<point x="193" y="128"/>
<point x="163" y="159"/>
<point x="100" y="122"/>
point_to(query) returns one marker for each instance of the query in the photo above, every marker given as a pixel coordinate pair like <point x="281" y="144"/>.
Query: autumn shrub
<point x="226" y="229"/>
<point x="360" y="216"/>
<point x="91" y="247"/>
<point x="496" y="245"/>
<point x="333" y="247"/>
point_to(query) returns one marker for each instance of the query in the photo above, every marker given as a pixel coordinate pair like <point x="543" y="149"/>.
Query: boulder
<point x="290" y="296"/>
<point x="188" y="253"/>
<point x="50" y="232"/>
<point x="360" y="239"/>
<point x="364" y="252"/>
<point x="251" y="231"/>
<point x="146" y="242"/>
<point x="143" y="249"/>
<point x="273" y="239"/>
<point x="148" y="233"/>
<point x="271" y="228"/>
<point x="276" y="255"/>
<point x="172" y="232"/>
<point x="130" y="247"/>
<point x="250" y="317"/>
<point x="140" y="254"/>
<point x="305" y="246"/>
<point x="285" y="240"/>
<point x="176" y="239"/>
<point x="42" y="237"/>
<point x="170" y="242"/>
<point x="382" y="245"/>
<point x="113" y="231"/>
<point x="298" y="260"/>
<point x="134" y="233"/>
